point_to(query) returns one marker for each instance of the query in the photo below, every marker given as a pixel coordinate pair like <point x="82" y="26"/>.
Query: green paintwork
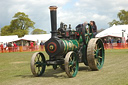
<point x="88" y="33"/>
<point x="73" y="65"/>
<point x="84" y="56"/>
<point x="99" y="54"/>
<point x="80" y="39"/>
<point x="40" y="64"/>
<point x="70" y="45"/>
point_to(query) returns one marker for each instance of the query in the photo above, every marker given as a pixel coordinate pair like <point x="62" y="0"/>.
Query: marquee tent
<point x="115" y="31"/>
<point x="5" y="39"/>
<point x="37" y="37"/>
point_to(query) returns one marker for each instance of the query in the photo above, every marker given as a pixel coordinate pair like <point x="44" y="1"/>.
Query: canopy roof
<point x="10" y="38"/>
<point x="115" y="31"/>
<point x="37" y="37"/>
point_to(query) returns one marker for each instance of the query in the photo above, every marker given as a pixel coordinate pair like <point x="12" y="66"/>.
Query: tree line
<point x="123" y="18"/>
<point x="20" y="25"/>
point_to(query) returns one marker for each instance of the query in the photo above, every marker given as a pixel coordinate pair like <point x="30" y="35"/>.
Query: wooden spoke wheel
<point x="71" y="64"/>
<point x="38" y="64"/>
<point x="95" y="54"/>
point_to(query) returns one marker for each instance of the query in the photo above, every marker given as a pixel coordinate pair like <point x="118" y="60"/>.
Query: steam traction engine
<point x="67" y="48"/>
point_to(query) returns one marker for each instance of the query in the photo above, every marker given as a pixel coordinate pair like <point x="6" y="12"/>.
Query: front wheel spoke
<point x="38" y="69"/>
<point x="96" y="47"/>
<point x="71" y="61"/>
<point x="70" y="58"/>
<point x="39" y="58"/>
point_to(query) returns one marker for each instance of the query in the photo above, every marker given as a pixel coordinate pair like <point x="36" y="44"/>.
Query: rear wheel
<point x="71" y="64"/>
<point x="95" y="54"/>
<point x="38" y="64"/>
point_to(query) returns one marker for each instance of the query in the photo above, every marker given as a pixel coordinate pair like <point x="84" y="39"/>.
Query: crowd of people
<point x="14" y="47"/>
<point x="8" y="47"/>
<point x="111" y="43"/>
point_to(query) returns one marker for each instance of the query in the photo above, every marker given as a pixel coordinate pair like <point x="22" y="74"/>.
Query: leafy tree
<point x="123" y="18"/>
<point x="38" y="31"/>
<point x="6" y="30"/>
<point x="18" y="26"/>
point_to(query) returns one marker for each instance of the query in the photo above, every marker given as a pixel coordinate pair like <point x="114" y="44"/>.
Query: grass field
<point x="15" y="70"/>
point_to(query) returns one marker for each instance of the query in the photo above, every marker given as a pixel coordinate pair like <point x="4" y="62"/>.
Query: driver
<point x="94" y="28"/>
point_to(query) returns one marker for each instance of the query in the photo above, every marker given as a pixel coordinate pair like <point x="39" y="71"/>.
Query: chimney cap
<point x="53" y="8"/>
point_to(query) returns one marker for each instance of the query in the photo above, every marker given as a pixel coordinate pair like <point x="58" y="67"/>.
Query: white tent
<point x="115" y="31"/>
<point x="5" y="39"/>
<point x="37" y="37"/>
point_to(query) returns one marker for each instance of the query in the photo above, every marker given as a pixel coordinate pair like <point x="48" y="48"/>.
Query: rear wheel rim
<point x="95" y="54"/>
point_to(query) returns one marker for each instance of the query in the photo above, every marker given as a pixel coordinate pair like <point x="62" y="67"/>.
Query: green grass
<point x="15" y="70"/>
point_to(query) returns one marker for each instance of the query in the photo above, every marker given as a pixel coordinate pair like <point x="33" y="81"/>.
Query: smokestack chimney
<point x="53" y="21"/>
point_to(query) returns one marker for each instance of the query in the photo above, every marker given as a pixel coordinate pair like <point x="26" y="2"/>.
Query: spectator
<point x="119" y="43"/>
<point x="12" y="47"/>
<point x="27" y="46"/>
<point x="127" y="42"/>
<point x="105" y="43"/>
<point x="32" y="46"/>
<point x="2" y="50"/>
<point x="35" y="45"/>
<point x="41" y="45"/>
<point x="15" y="47"/>
<point x="110" y="43"/>
<point x="9" y="47"/>
<point x="5" y="47"/>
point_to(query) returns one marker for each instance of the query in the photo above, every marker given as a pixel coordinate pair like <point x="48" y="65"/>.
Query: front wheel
<point x="71" y="64"/>
<point x="38" y="64"/>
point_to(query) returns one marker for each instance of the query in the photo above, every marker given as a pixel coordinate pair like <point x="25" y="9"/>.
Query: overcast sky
<point x="69" y="11"/>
